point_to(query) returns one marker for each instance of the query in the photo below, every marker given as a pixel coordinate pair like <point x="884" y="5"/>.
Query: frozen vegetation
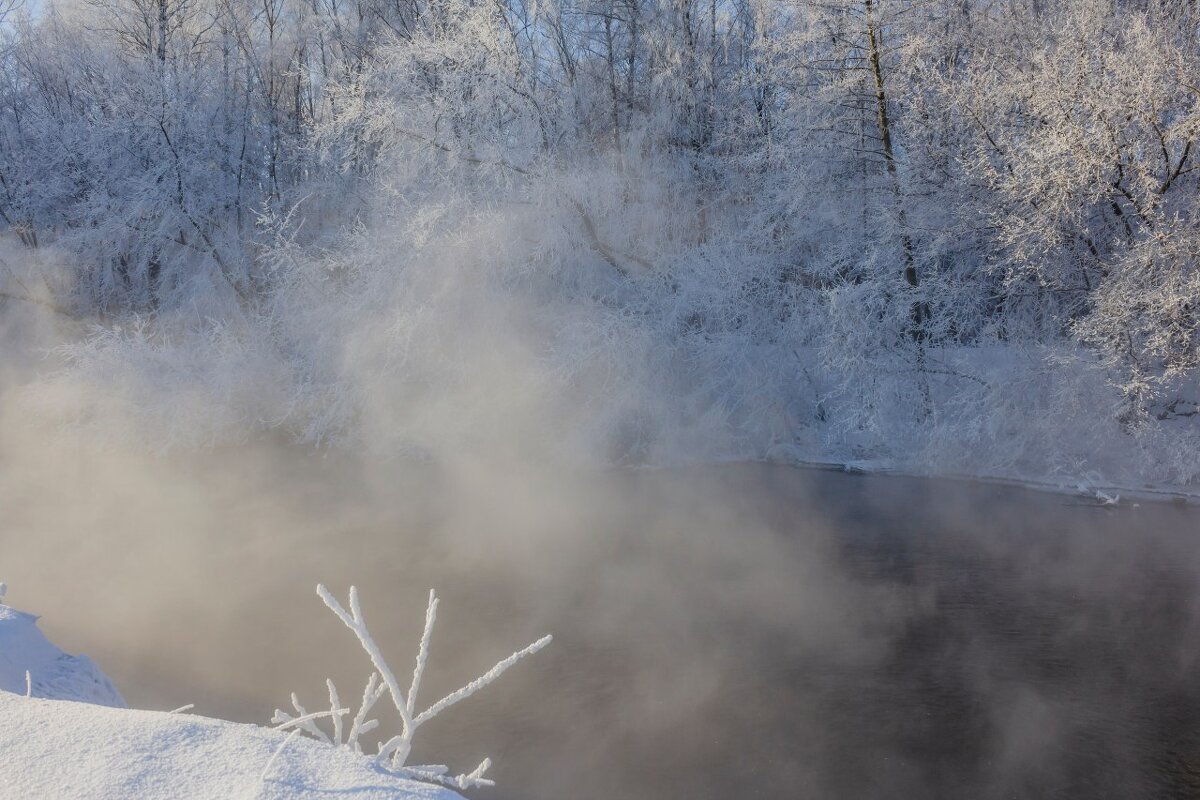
<point x="943" y="236"/>
<point x="53" y="703"/>
<point x="954" y="236"/>
<point x="940" y="236"/>
<point x="394" y="751"/>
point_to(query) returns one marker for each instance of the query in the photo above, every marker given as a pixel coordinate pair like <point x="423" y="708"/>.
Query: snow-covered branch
<point x="394" y="753"/>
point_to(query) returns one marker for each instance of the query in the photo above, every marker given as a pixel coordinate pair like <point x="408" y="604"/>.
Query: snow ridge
<point x="26" y="654"/>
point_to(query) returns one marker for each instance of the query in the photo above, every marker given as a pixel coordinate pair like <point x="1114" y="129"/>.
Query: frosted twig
<point x="480" y="682"/>
<point x="334" y="703"/>
<point x="28" y="684"/>
<point x="395" y="751"/>
<point x="422" y="652"/>
<point x="355" y="622"/>
<point x="475" y="776"/>
<point x="398" y="747"/>
<point x="267" y="769"/>
<point x="373" y="691"/>
<point x="303" y="718"/>
<point x="436" y="773"/>
<point x="303" y="722"/>
<point x="182" y="709"/>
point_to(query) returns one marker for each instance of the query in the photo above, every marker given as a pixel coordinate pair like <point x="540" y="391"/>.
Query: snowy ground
<point x="61" y="749"/>
<point x="30" y="664"/>
<point x="73" y="739"/>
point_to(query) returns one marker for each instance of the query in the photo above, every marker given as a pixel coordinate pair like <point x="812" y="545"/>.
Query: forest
<point x="946" y="235"/>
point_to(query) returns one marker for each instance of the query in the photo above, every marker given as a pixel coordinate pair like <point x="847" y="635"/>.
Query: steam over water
<point x="737" y="631"/>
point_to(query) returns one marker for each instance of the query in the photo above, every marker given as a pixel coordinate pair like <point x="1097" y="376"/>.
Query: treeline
<point x="876" y="182"/>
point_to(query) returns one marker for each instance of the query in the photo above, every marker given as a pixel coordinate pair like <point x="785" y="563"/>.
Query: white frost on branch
<point x="393" y="754"/>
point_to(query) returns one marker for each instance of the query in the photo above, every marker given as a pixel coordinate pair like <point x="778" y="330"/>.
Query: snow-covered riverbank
<point x="64" y="749"/>
<point x="66" y="734"/>
<point x="1090" y="486"/>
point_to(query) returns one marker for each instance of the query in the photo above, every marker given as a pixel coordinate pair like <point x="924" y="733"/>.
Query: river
<point x="734" y="631"/>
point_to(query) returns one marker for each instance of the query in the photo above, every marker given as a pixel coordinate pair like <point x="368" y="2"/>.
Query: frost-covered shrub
<point x="393" y="753"/>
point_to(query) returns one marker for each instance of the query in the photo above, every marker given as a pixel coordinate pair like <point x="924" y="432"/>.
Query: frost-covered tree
<point x="1085" y="117"/>
<point x="855" y="225"/>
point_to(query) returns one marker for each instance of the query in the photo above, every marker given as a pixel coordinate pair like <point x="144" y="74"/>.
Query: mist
<point x="736" y="628"/>
<point x="423" y="409"/>
<point x="725" y="342"/>
<point x="426" y="411"/>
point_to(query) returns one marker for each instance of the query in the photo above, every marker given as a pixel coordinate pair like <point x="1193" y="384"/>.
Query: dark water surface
<point x="743" y="631"/>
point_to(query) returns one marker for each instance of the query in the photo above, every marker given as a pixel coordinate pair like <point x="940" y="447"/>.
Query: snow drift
<point x="54" y="749"/>
<point x="52" y="674"/>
